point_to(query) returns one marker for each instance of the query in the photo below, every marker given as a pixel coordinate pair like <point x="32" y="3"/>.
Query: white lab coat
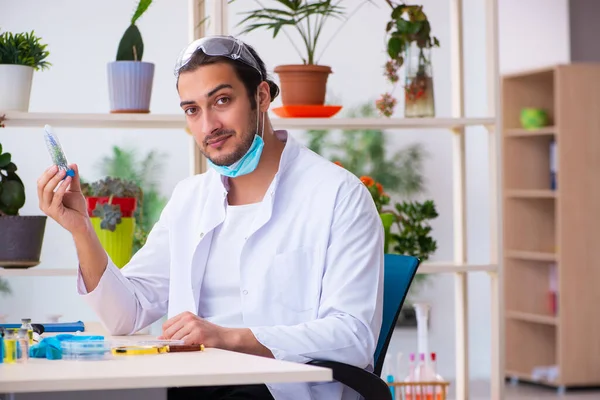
<point x="311" y="269"/>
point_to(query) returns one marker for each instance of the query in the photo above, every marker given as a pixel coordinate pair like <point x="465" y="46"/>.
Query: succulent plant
<point x="110" y="215"/>
<point x="131" y="46"/>
<point x="110" y="186"/>
<point x="12" y="190"/>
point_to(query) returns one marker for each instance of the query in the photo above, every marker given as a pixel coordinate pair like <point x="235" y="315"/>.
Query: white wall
<point x="83" y="37"/>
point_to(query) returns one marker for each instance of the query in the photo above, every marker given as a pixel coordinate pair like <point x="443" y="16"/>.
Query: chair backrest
<point x="399" y="272"/>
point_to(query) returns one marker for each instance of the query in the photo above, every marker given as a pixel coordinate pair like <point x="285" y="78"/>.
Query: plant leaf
<point x="5" y="159"/>
<point x="141" y="9"/>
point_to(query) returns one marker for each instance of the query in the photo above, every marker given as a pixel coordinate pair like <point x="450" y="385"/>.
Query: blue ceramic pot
<point x="130" y="86"/>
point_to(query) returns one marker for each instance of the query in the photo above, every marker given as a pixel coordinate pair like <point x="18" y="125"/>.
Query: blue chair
<point x="399" y="272"/>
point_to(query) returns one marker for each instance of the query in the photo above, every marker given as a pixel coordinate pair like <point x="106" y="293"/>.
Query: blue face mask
<point x="248" y="162"/>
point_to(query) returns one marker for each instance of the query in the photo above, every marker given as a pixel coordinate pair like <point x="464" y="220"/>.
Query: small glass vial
<point x="26" y="324"/>
<point x="10" y="346"/>
<point x="23" y="340"/>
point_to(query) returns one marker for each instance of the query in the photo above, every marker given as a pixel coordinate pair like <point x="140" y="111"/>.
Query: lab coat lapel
<point x="209" y="214"/>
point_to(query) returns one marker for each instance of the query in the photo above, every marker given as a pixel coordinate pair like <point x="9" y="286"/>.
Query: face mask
<point x="249" y="161"/>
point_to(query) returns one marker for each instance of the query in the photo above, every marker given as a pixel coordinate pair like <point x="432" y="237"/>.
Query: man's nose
<point x="210" y="123"/>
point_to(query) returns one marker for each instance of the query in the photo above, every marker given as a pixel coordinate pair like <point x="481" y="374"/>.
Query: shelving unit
<point x="547" y="229"/>
<point x="454" y="125"/>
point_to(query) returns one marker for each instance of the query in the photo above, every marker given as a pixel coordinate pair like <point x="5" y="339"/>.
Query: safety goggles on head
<point x="225" y="46"/>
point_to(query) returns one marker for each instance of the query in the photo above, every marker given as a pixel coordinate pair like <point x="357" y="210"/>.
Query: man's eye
<point x="190" y="111"/>
<point x="222" y="100"/>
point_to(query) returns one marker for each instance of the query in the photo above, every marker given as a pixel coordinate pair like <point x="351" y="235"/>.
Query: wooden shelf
<point x="517" y="132"/>
<point x="530" y="317"/>
<point x="531" y="255"/>
<point x="177" y="121"/>
<point x="425" y="268"/>
<point x="531" y="194"/>
<point x="550" y="251"/>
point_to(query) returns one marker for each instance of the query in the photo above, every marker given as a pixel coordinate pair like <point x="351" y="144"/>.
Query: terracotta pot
<point x="303" y="84"/>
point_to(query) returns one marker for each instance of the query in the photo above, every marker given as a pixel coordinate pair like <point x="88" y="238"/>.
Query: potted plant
<point x="305" y="83"/>
<point x="409" y="44"/>
<point x="111" y="204"/>
<point x="20" y="55"/>
<point x="21" y="236"/>
<point x="129" y="78"/>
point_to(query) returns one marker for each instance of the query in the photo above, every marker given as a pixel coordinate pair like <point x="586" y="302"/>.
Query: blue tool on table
<point x="54" y="327"/>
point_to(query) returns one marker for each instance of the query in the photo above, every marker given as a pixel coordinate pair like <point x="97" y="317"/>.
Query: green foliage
<point x="305" y="16"/>
<point x="5" y="287"/>
<point x="363" y="152"/>
<point x="23" y="49"/>
<point x="131" y="46"/>
<point x="126" y="164"/>
<point x="12" y="190"/>
<point x="408" y="24"/>
<point x="413" y="237"/>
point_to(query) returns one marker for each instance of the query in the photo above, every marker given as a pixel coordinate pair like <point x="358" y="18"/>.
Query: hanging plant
<point x="408" y="27"/>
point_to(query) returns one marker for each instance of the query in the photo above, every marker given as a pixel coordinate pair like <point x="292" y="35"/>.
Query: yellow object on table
<point x="139" y="350"/>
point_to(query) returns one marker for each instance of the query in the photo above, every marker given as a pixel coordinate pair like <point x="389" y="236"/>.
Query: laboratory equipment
<point x="1" y="345"/>
<point x="10" y="346"/>
<point x="422" y="312"/>
<point x="23" y="345"/>
<point x="26" y="324"/>
<point x="56" y="152"/>
<point x="86" y="349"/>
<point x="388" y="373"/>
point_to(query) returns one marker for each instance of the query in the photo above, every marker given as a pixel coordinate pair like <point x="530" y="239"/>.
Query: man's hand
<point x="194" y="330"/>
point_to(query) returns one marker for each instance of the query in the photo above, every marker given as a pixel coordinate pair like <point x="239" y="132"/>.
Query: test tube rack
<point x="434" y="390"/>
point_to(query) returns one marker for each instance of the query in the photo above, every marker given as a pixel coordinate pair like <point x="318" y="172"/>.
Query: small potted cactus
<point x="21" y="236"/>
<point x="129" y="78"/>
<point x="111" y="204"/>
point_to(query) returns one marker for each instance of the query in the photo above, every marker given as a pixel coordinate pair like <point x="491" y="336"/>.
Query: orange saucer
<point x="307" y="111"/>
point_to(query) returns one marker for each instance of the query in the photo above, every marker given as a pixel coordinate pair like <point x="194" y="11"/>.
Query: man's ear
<point x="264" y="96"/>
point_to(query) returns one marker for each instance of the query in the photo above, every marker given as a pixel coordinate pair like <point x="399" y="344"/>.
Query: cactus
<point x="131" y="46"/>
<point x="12" y="190"/>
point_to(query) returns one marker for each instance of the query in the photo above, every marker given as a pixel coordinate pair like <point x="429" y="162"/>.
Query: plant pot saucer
<point x="306" y="111"/>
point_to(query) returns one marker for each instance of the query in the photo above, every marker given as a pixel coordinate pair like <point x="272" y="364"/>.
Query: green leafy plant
<point x="144" y="172"/>
<point x="305" y="16"/>
<point x="364" y="153"/>
<point x="408" y="25"/>
<point x="111" y="187"/>
<point x="413" y="235"/>
<point x="131" y="46"/>
<point x="12" y="190"/>
<point x="23" y="49"/>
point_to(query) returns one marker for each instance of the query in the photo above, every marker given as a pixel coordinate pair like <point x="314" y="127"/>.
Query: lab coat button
<point x="201" y="235"/>
<point x="245" y="292"/>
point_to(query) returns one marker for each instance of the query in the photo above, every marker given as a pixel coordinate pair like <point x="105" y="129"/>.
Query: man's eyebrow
<point x="221" y="86"/>
<point x="209" y="94"/>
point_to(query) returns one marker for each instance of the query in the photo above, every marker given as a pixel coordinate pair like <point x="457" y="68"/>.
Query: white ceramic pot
<point x="130" y="86"/>
<point x="15" y="87"/>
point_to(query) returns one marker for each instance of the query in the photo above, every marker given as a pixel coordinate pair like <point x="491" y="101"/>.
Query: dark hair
<point x="245" y="73"/>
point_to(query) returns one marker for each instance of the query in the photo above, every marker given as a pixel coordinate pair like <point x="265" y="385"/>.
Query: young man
<point x="274" y="251"/>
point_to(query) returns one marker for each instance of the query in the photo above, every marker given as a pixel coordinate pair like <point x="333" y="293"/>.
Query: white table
<point x="211" y="367"/>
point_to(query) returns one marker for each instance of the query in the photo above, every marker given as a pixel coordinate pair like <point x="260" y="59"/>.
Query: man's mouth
<point x="218" y="141"/>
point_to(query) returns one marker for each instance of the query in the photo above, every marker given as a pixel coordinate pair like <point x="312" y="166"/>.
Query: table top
<point x="210" y="367"/>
